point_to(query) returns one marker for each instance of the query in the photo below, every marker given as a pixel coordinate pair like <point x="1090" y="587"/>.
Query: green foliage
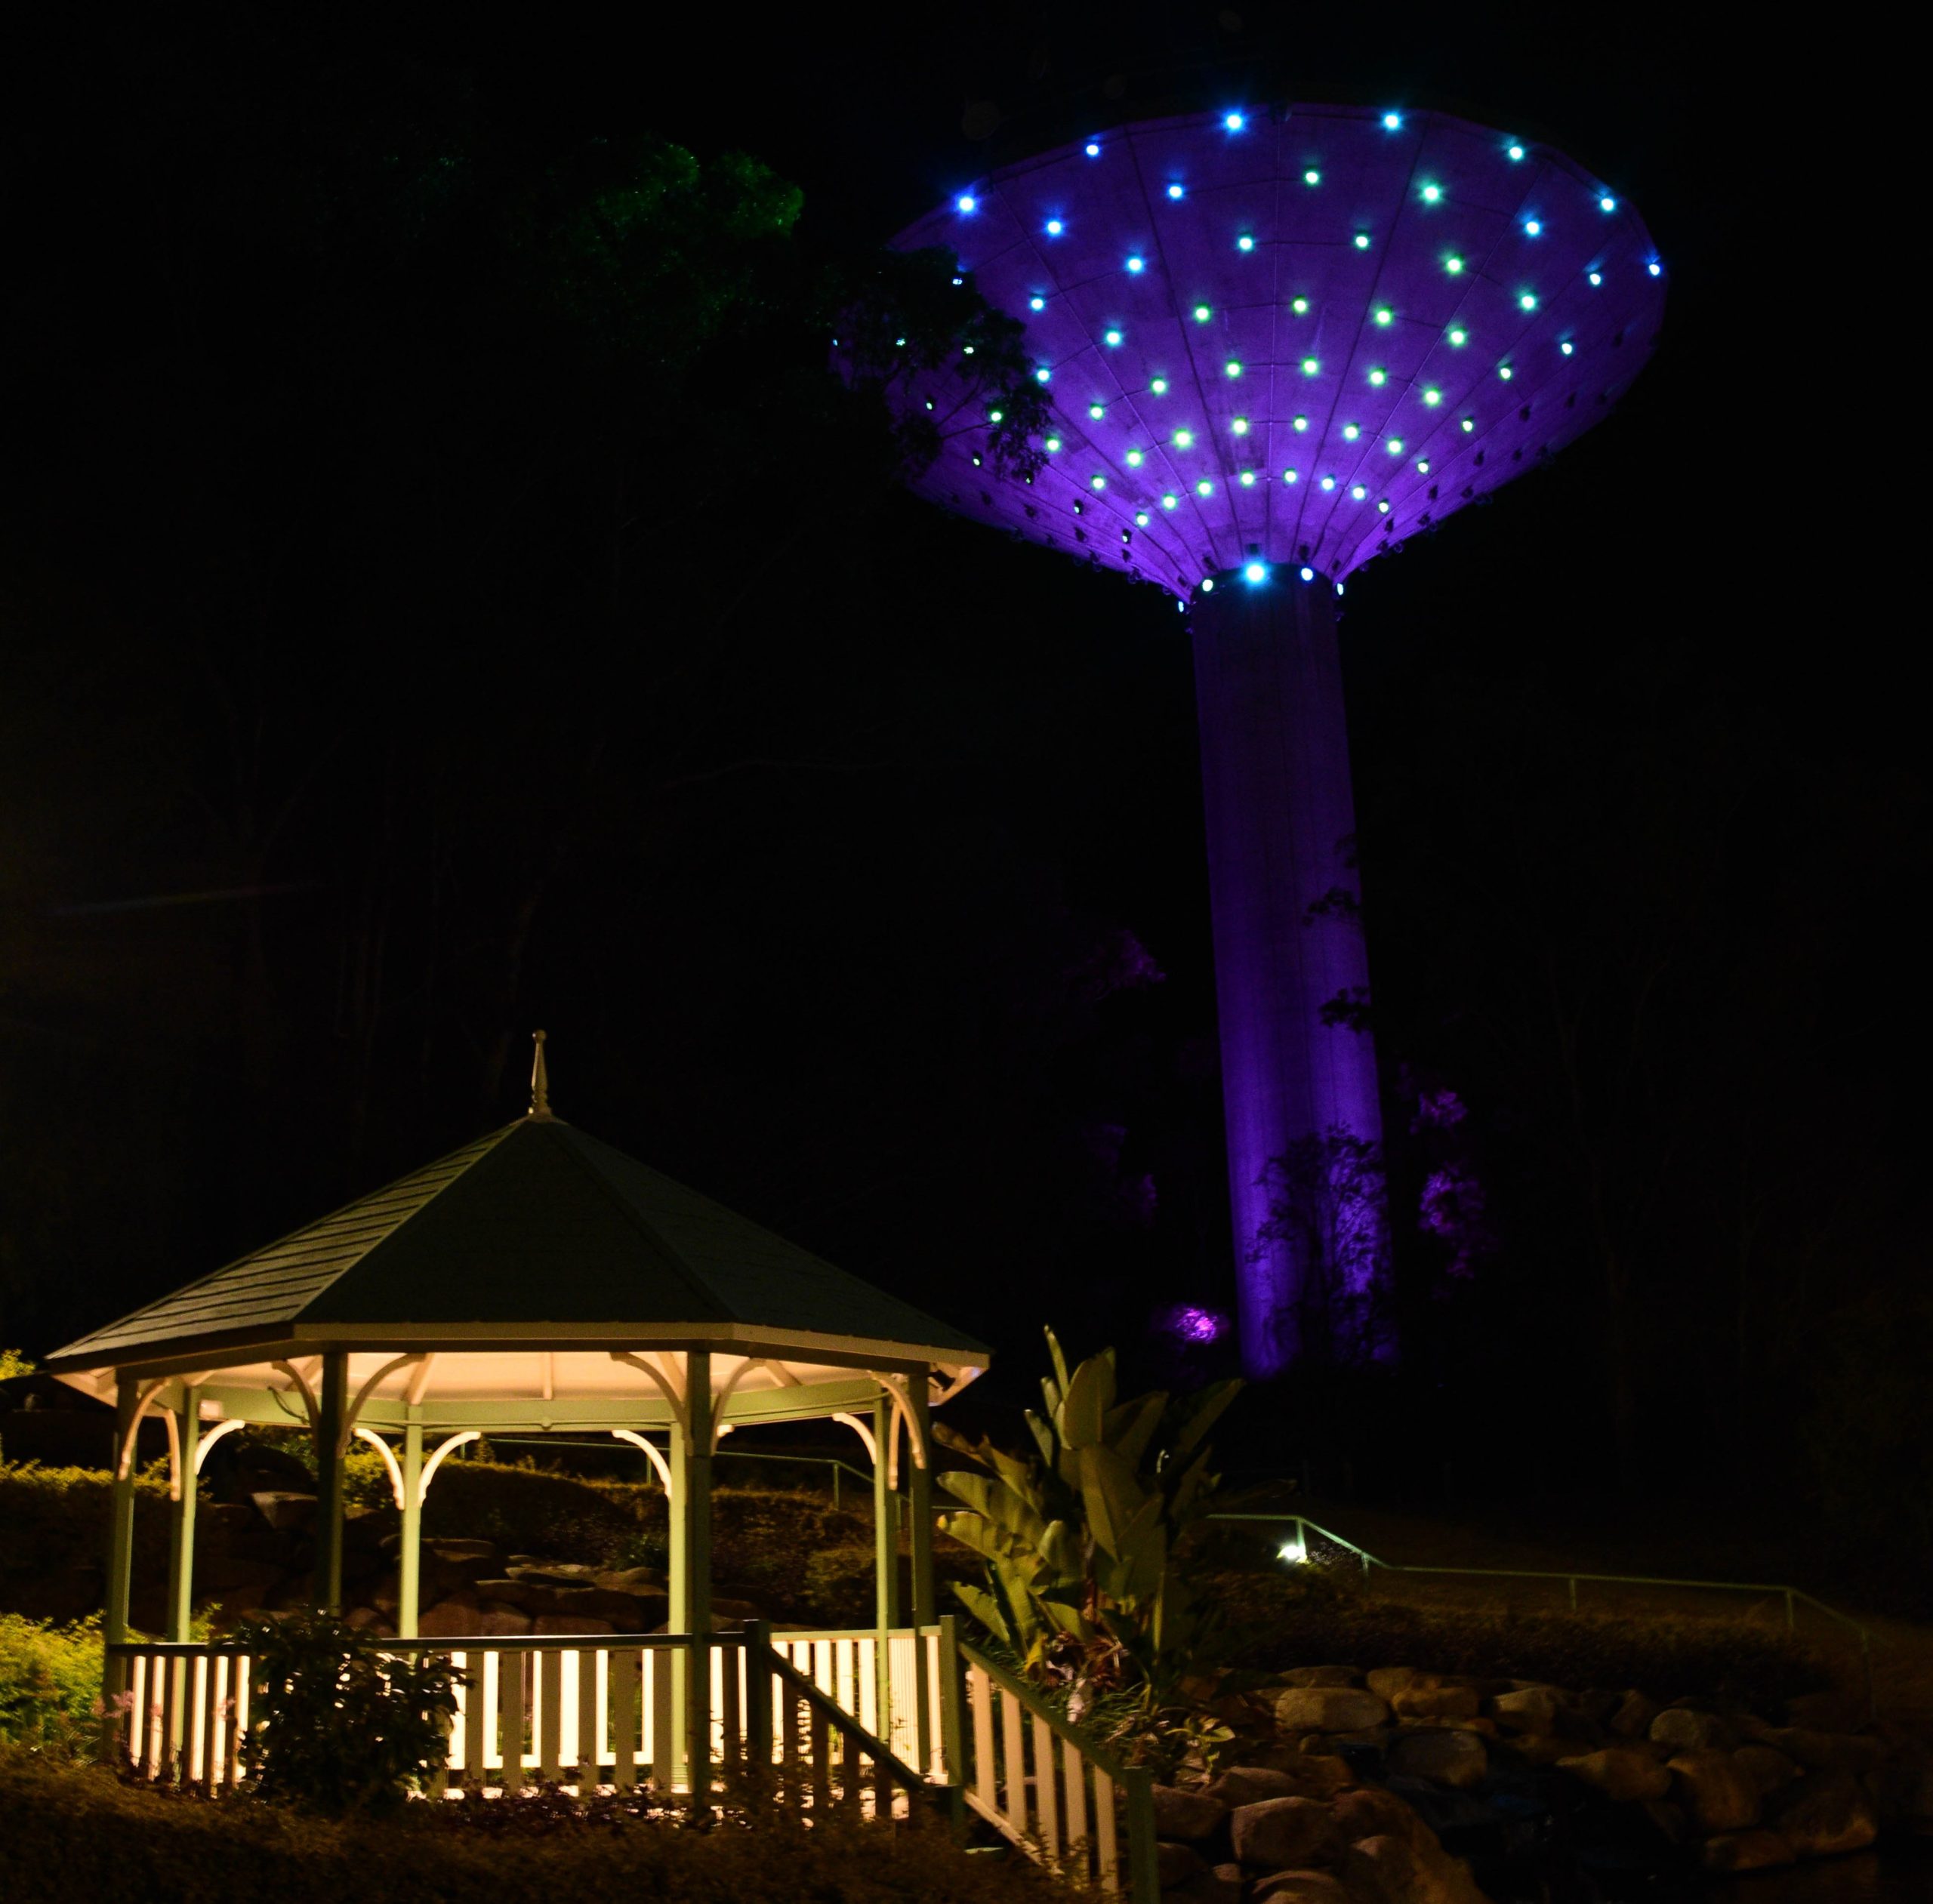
<point x="56" y="1521"/>
<point x="342" y="1730"/>
<point x="49" y="1679"/>
<point x="75" y="1831"/>
<point x="1086" y="1545"/>
<point x="13" y="1363"/>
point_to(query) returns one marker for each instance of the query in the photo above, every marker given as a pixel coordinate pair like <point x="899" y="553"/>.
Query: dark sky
<point x="838" y="849"/>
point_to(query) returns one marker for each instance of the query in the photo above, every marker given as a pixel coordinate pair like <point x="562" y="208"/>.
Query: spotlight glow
<point x="1433" y="398"/>
<point x="1113" y="337"/>
<point x="1093" y="149"/>
<point x="1431" y="193"/>
<point x="1379" y="378"/>
<point x="1233" y="121"/>
<point x="1055" y="228"/>
<point x="1248" y="479"/>
<point x="1137" y="264"/>
<point x="1453" y="266"/>
<point x="1459" y="337"/>
<point x="966" y="201"/>
<point x="1534" y="227"/>
<point x="1097" y="411"/>
<point x="1391" y="121"/>
<point x="1516" y="152"/>
<point x="1255" y="572"/>
<point x="1607" y="204"/>
<point x="1597" y="279"/>
<point x="1240" y="426"/>
<point x="1184" y="439"/>
<point x="1204" y="488"/>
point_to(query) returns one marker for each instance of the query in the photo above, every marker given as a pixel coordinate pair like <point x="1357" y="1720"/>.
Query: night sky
<point x="497" y="654"/>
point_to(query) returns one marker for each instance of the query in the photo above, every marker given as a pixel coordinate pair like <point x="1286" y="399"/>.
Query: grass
<point x="76" y="1831"/>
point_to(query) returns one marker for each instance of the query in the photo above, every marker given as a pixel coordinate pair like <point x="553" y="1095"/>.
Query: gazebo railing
<point x="603" y="1710"/>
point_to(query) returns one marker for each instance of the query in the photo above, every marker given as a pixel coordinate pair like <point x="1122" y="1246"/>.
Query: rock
<point x="570" y="1623"/>
<point x="1622" y="1773"/>
<point x="360" y="1617"/>
<point x="1329" y="1708"/>
<point x="622" y="1611"/>
<point x="1685" y="1730"/>
<point x="1769" y="1769"/>
<point x="1385" y="1682"/>
<point x="1835" y="1711"/>
<point x="1719" y="1793"/>
<point x="1533" y="1710"/>
<point x="637" y="1580"/>
<point x="1825" y="1813"/>
<point x="1759" y="1850"/>
<point x="1274" y="1832"/>
<point x="552" y="1573"/>
<point x="1175" y="1864"/>
<point x="1246" y="1784"/>
<point x="1670" y="1820"/>
<point x="1300" y="1888"/>
<point x="1541" y="1749"/>
<point x="1827" y="1752"/>
<point x="457" y="1552"/>
<point x="1436" y="1703"/>
<point x="1320" y="1676"/>
<point x="1409" y="1873"/>
<point x="283" y="1509"/>
<point x="1325" y="1744"/>
<point x="1444" y="1757"/>
<point x="1222" y="1885"/>
<point x="1370" y="1812"/>
<point x="1183" y="1814"/>
<point x="733" y="1612"/>
<point x="1633" y="1716"/>
<point x="463" y="1616"/>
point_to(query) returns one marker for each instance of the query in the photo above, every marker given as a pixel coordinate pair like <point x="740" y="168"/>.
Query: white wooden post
<point x="409" y="1556"/>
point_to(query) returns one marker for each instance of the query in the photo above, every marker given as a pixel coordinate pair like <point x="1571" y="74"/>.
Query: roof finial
<point x="539" y="1080"/>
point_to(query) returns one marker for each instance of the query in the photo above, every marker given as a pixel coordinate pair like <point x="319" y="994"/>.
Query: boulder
<point x="621" y="1611"/>
<point x="1827" y="1752"/>
<point x="1370" y="1812"/>
<point x="1535" y="1709"/>
<point x="1274" y="1832"/>
<point x="283" y="1509"/>
<point x="1308" y="1777"/>
<point x="1622" y="1773"/>
<point x="1834" y="1711"/>
<point x="733" y="1612"/>
<point x="1221" y="1885"/>
<point x="1300" y="1888"/>
<point x="1417" y="1702"/>
<point x="552" y="1573"/>
<point x="1187" y="1815"/>
<point x="1443" y="1756"/>
<point x="1320" y="1676"/>
<point x="365" y="1619"/>
<point x="1403" y="1871"/>
<point x="1768" y="1769"/>
<point x="1757" y="1850"/>
<point x="1175" y="1864"/>
<point x="631" y="1580"/>
<point x="1824" y="1813"/>
<point x="1329" y="1708"/>
<point x="1632" y="1718"/>
<point x="1718" y="1792"/>
<point x="1541" y="1749"/>
<point x="570" y="1623"/>
<point x="1385" y="1682"/>
<point x="1684" y="1730"/>
<point x="448" y="1547"/>
<point x="1327" y="1744"/>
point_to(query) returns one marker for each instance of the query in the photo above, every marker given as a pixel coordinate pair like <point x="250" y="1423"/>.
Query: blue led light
<point x="1516" y="152"/>
<point x="1308" y="574"/>
<point x="1607" y="204"/>
<point x="1255" y="572"/>
<point x="1037" y="303"/>
<point x="1233" y="121"/>
<point x="1362" y="241"/>
<point x="1391" y="121"/>
<point x="1597" y="277"/>
<point x="1137" y="264"/>
<point x="1043" y="375"/>
<point x="1534" y="227"/>
<point x="1244" y="243"/>
<point x="966" y="201"/>
<point x="1174" y="191"/>
<point x="1654" y="268"/>
<point x="1113" y="337"/>
<point x="1094" y="148"/>
<point x="1055" y="228"/>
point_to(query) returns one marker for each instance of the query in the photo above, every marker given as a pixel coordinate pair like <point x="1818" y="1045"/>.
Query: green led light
<point x="1505" y="372"/>
<point x="1142" y="518"/>
<point x="1310" y="366"/>
<point x="1054" y="444"/>
<point x="1452" y="265"/>
<point x="1202" y="313"/>
<point x="1169" y="502"/>
<point x="1244" y="243"/>
<point x="1433" y="398"/>
<point x="1359" y="492"/>
<point x="1379" y="378"/>
<point x="1233" y="369"/>
<point x="1184" y="439"/>
<point x="1248" y="479"/>
<point x="1099" y="482"/>
<point x="1135" y="459"/>
<point x="1311" y="177"/>
<point x="1240" y="426"/>
<point x="994" y="416"/>
<point x="1302" y="422"/>
<point x="1470" y="423"/>
<point x="1160" y="387"/>
<point x="1527" y="302"/>
<point x="1385" y="315"/>
<point x="1459" y="338"/>
<point x="1395" y="446"/>
<point x="1203" y="488"/>
<point x="1431" y="193"/>
<point x="1423" y="465"/>
<point x="1351" y="432"/>
<point x="1300" y="306"/>
<point x="1290" y="476"/>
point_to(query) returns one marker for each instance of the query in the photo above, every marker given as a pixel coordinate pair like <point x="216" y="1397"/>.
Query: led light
<point x="976" y="462"/>
<point x="1391" y="121"/>
<point x="1310" y="366"/>
<point x="1043" y="375"/>
<point x="1379" y="378"/>
<point x="1113" y="337"/>
<point x="1208" y="584"/>
<point x="1505" y="372"/>
<point x="1248" y="479"/>
<point x="1054" y="444"/>
<point x="1255" y="572"/>
<point x="1093" y="149"/>
<point x="1174" y="191"/>
<point x="1423" y="465"/>
<point x="1135" y="459"/>
<point x="1311" y="177"/>
<point x="1099" y="482"/>
<point x="1097" y="411"/>
<point x="1527" y="302"/>
<point x="1142" y="518"/>
<point x="1328" y="482"/>
<point x="1204" y="487"/>
<point x="1459" y="337"/>
<point x="1655" y="268"/>
<point x="966" y="350"/>
<point x="1240" y="426"/>
<point x="1338" y="588"/>
<point x="1244" y="243"/>
<point x="1433" y="398"/>
<point x="1470" y="423"/>
<point x="1395" y="446"/>
<point x="1453" y="266"/>
<point x="1055" y="228"/>
<point x="1136" y="264"/>
<point x="1607" y="204"/>
<point x="1308" y="574"/>
<point x="1533" y="228"/>
<point x="1160" y="387"/>
<point x="1169" y="502"/>
<point x="1359" y="492"/>
<point x="1385" y="315"/>
<point x="1382" y="504"/>
<point x="1567" y="346"/>
<point x="994" y="416"/>
<point x="1233" y="368"/>
<point x="1184" y="439"/>
<point x="1290" y="476"/>
<point x="1037" y="303"/>
<point x="1302" y="422"/>
<point x="1516" y="152"/>
<point x="1431" y="193"/>
<point x="966" y="201"/>
<point x="1233" y="121"/>
<point x="1300" y="306"/>
<point x="1202" y="313"/>
<point x="1362" y="241"/>
<point x="1596" y="277"/>
<point x="1351" y="432"/>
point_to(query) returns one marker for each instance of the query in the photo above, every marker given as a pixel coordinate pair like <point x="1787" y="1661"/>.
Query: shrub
<point x="50" y="1679"/>
<point x="340" y="1729"/>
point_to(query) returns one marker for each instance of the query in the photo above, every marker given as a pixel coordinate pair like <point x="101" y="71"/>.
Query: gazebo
<point x="535" y="1280"/>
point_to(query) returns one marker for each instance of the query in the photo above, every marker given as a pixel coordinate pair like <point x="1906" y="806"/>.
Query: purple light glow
<point x="1190" y="1324"/>
<point x="1407" y="310"/>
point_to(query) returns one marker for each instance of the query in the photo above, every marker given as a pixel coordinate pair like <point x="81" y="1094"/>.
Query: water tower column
<point x="1281" y="819"/>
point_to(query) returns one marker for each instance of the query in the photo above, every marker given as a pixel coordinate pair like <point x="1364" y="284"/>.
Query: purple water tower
<point x="1278" y="342"/>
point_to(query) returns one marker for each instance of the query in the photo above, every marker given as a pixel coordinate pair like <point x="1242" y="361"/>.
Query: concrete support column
<point x="409" y="1556"/>
<point x="332" y="1406"/>
<point x="181" y="1533"/>
<point x="1280" y="824"/>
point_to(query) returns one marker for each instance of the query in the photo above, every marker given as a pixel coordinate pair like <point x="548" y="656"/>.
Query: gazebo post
<point x="330" y="1409"/>
<point x="181" y="1540"/>
<point x="691" y="1572"/>
<point x="409" y="1554"/>
<point x="919" y="1507"/>
<point x="886" y="1555"/>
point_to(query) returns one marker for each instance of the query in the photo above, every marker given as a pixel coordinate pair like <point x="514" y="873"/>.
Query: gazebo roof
<point x="537" y="1234"/>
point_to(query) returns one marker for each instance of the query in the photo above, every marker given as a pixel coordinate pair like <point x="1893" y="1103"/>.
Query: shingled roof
<point x="536" y="1227"/>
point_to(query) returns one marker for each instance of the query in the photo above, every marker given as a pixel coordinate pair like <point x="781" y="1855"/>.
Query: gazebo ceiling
<point x="531" y="1265"/>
